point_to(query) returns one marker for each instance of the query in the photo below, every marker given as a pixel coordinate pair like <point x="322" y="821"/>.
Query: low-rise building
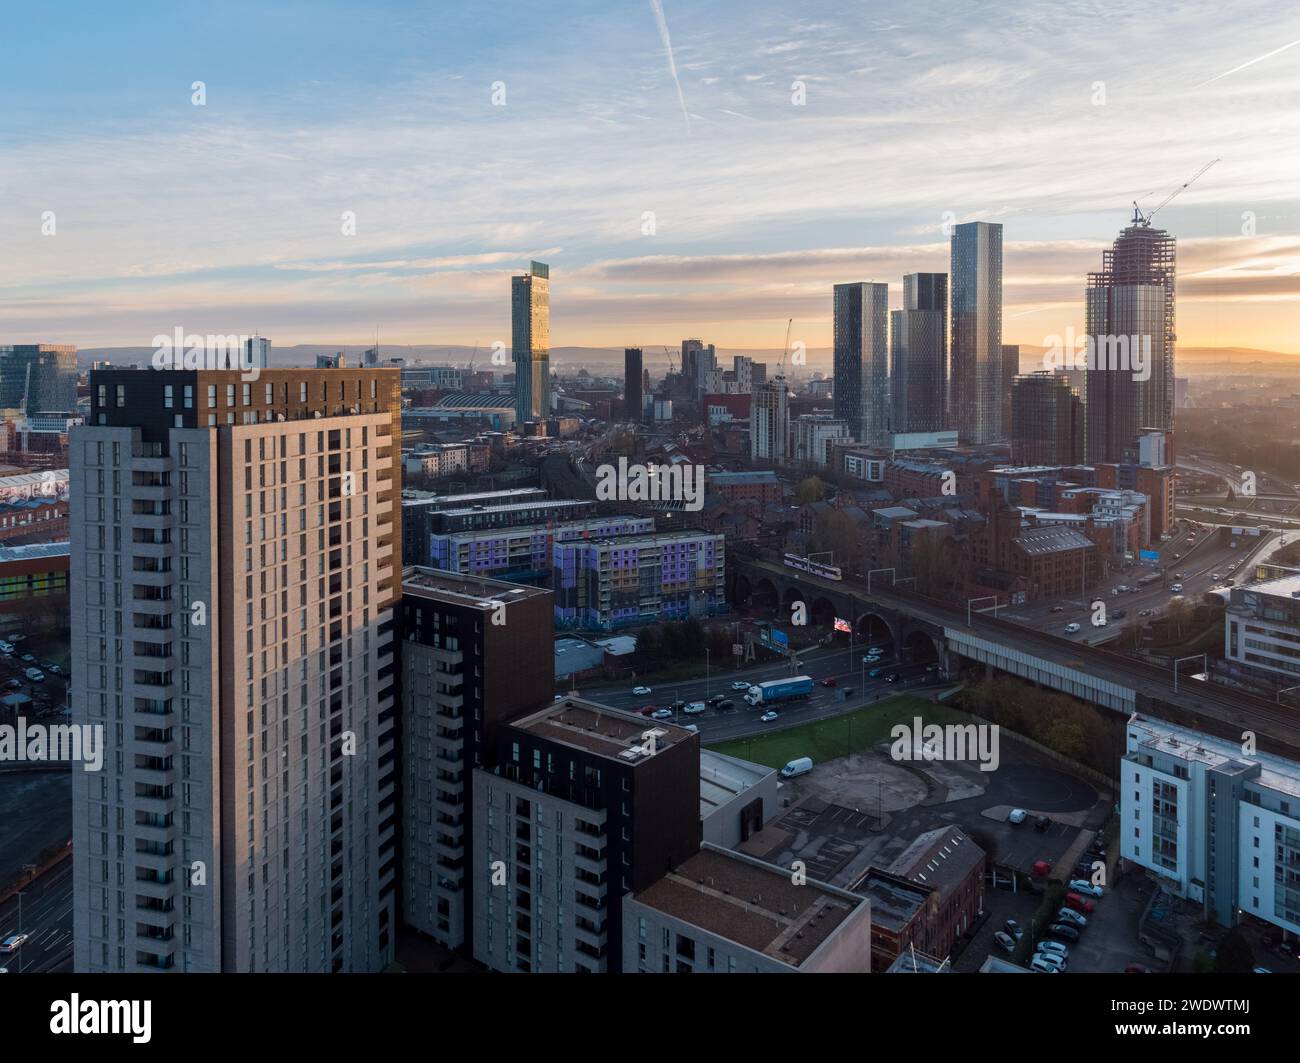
<point x="1262" y="629"/>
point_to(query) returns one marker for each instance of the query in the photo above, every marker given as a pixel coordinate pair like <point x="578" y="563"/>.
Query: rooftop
<point x="751" y="903"/>
<point x="942" y="858"/>
<point x="465" y="590"/>
<point x="1156" y="736"/>
<point x="722" y="778"/>
<point x="894" y="900"/>
<point x="31" y="551"/>
<point x="1282" y="587"/>
<point x="600" y="729"/>
<point x="1050" y="539"/>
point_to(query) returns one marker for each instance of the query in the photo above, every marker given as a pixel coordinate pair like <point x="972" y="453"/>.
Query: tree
<point x="810" y="490"/>
<point x="1235" y="956"/>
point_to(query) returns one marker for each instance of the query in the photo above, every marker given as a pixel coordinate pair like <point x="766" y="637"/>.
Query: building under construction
<point x="1130" y="325"/>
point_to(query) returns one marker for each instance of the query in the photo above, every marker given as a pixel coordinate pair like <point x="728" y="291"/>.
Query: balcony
<point x="591" y="934"/>
<point x="590" y="861"/>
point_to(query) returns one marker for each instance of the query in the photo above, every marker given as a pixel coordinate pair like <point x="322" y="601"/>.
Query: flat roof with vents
<point x="751" y="903"/>
<point x="602" y="730"/>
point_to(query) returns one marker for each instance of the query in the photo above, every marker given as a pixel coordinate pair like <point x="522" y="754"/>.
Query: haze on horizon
<point x="227" y="217"/>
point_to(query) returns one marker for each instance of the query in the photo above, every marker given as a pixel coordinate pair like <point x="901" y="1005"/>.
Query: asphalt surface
<point x="46" y="919"/>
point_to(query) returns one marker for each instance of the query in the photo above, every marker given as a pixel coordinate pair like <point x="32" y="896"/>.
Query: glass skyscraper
<point x="530" y="341"/>
<point x="862" y="359"/>
<point x="919" y="354"/>
<point x="38" y="377"/>
<point x="975" y="386"/>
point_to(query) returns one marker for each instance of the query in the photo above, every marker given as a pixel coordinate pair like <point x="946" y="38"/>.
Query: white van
<point x="694" y="708"/>
<point x="1070" y="629"/>
<point x="35" y="675"/>
<point x="798" y="766"/>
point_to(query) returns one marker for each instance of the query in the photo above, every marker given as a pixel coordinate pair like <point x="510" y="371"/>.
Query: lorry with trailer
<point x="775" y="690"/>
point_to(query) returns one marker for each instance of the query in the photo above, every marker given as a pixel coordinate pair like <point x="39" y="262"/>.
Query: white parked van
<point x="798" y="766"/>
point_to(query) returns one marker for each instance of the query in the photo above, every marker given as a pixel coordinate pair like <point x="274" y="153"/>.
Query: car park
<point x="1016" y="815"/>
<point x="1085" y="887"/>
<point x="768" y="716"/>
<point x="1004" y="941"/>
<point x="1064" y="931"/>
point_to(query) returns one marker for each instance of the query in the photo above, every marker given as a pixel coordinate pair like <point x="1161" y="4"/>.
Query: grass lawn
<point x="837" y="737"/>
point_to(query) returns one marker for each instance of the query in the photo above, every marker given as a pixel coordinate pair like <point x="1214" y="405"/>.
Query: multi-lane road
<point x="46" y="919"/>
<point x="842" y="664"/>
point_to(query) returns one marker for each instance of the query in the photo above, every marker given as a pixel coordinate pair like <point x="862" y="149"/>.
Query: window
<point x="168" y="402"/>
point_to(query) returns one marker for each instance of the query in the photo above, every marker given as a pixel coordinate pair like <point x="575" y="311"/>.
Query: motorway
<point x="843" y="665"/>
<point x="46" y="919"/>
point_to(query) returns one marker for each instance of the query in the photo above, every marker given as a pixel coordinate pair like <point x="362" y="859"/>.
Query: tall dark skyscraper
<point x="633" y="396"/>
<point x="530" y="341"/>
<point x="918" y="354"/>
<point x="975" y="383"/>
<point x="38" y="377"/>
<point x="1010" y="370"/>
<point x="1046" y="421"/>
<point x="862" y="359"/>
<point x="1130" y="308"/>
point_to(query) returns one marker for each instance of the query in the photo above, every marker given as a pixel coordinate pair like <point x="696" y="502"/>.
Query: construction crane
<point x="672" y="368"/>
<point x="1145" y="219"/>
<point x="472" y="359"/>
<point x="785" y="351"/>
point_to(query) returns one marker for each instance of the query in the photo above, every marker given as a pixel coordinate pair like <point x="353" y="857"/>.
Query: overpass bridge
<point x="960" y="637"/>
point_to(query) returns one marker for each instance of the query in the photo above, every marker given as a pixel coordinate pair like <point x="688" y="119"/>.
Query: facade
<point x="861" y="359"/>
<point x="530" y="317"/>
<point x="602" y="583"/>
<point x="723" y="912"/>
<point x="576" y="807"/>
<point x="234" y="550"/>
<point x="975" y="385"/>
<point x="1010" y="370"/>
<point x="475" y="653"/>
<point x="1211" y="825"/>
<point x="1131" y="300"/>
<point x="1262" y="629"/>
<point x="521" y="553"/>
<point x="33" y="571"/>
<point x="761" y="485"/>
<point x="736" y="798"/>
<point x="35" y="377"/>
<point x="769" y="418"/>
<point x="633" y="396"/>
<point x="812" y="433"/>
<point x="919" y="355"/>
<point x="1047" y="421"/>
<point x="949" y="862"/>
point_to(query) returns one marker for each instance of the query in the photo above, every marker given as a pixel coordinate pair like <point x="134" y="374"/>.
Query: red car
<point x="828" y="682"/>
<point x="646" y="710"/>
<point x="1077" y="902"/>
<point x="1041" y="868"/>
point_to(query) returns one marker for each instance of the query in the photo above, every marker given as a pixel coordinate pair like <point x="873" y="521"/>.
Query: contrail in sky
<point x="658" y="8"/>
<point x="1258" y="59"/>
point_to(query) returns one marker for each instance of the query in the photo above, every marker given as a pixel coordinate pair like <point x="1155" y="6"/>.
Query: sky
<point x="686" y="169"/>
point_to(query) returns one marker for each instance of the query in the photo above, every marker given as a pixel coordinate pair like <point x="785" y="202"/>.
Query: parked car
<point x="35" y="675"/>
<point x="1073" y="918"/>
<point x="1050" y="958"/>
<point x="1064" y="931"/>
<point x="1004" y="940"/>
<point x="6" y="647"/>
<point x="1053" y="946"/>
<point x="1119" y="614"/>
<point x="768" y="716"/>
<point x="13" y="684"/>
<point x="1013" y="928"/>
<point x="1085" y="887"/>
<point x="27" y="658"/>
<point x="1042" y="823"/>
<point x="641" y="692"/>
<point x="1078" y="903"/>
<point x="1016" y="815"/>
<point x="1039" y="963"/>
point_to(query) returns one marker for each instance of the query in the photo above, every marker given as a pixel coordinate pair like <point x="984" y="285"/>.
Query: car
<point x="1050" y="958"/>
<point x="931" y="667"/>
<point x="1146" y="612"/>
<point x="1262" y="970"/>
<point x="1178" y="575"/>
<point x="17" y="638"/>
<point x="662" y="714"/>
<point x="717" y="699"/>
<point x="1177" y="588"/>
<point x="641" y="692"/>
<point x="13" y="684"/>
<point x="54" y="668"/>
<point x="1076" y="902"/>
<point x="1040" y="964"/>
<point x="892" y="677"/>
<point x="1064" y="931"/>
<point x="768" y="716"/>
<point x="1137" y="968"/>
<point x="1085" y="887"/>
<point x="1216" y="576"/>
<point x="13" y="942"/>
<point x="828" y="682"/>
<point x="723" y="706"/>
<point x="692" y="727"/>
<point x="694" y="708"/>
<point x="1042" y="823"/>
<point x="35" y="675"/>
<point x="738" y="685"/>
<point x="1016" y="815"/>
<point x="1013" y="928"/>
<point x="6" y="647"/>
<point x="27" y="658"/>
<point x="1070" y="916"/>
<point x="1071" y="629"/>
<point x="1054" y="947"/>
<point x="1004" y="940"/>
<point x="875" y="673"/>
<point x="647" y="710"/>
<point x="1058" y="608"/>
<point x="1119" y="614"/>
